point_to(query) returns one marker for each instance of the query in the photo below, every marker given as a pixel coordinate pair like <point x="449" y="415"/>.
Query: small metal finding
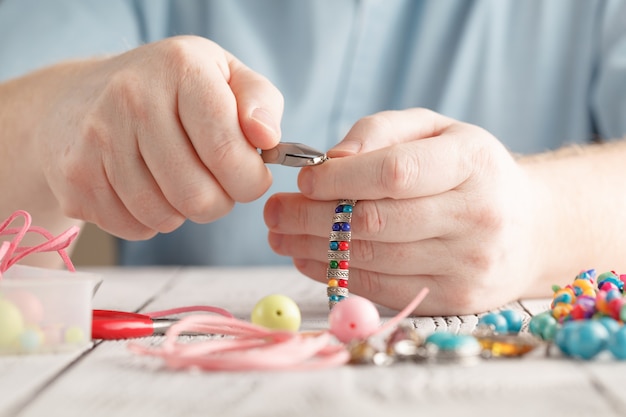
<point x="293" y="155"/>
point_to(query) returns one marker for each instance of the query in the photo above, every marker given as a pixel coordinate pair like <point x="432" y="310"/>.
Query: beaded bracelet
<point x="338" y="272"/>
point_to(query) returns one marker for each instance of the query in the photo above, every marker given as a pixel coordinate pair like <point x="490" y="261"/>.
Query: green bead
<point x="333" y="264"/>
<point x="277" y="312"/>
<point x="543" y="325"/>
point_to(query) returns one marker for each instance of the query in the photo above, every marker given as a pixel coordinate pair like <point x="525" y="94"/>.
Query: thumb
<point x="389" y="128"/>
<point x="259" y="105"/>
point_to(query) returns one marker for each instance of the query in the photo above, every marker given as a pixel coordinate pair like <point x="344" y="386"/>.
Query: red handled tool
<point x="111" y="325"/>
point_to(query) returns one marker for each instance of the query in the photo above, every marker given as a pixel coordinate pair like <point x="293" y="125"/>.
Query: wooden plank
<point x="112" y="381"/>
<point x="22" y="377"/>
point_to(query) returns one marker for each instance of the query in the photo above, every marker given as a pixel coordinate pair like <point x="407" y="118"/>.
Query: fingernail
<point x="345" y="148"/>
<point x="272" y="212"/>
<point x="264" y="117"/>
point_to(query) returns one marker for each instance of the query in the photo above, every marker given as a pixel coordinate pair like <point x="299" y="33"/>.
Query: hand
<point x="139" y="142"/>
<point x="441" y="204"/>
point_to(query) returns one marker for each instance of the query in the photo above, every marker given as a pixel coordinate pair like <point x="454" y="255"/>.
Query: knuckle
<point x="201" y="206"/>
<point x="125" y="90"/>
<point x="369" y="219"/>
<point x="398" y="171"/>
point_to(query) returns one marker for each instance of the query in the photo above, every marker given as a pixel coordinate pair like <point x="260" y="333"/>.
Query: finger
<point x="405" y="170"/>
<point x="447" y="296"/>
<point x="99" y="204"/>
<point x="185" y="182"/>
<point x="388" y="128"/>
<point x="259" y="105"/>
<point x="379" y="220"/>
<point x="136" y="188"/>
<point x="208" y="112"/>
<point x="431" y="256"/>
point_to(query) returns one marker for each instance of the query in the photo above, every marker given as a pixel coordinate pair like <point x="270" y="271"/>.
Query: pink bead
<point x="354" y="318"/>
<point x="29" y="305"/>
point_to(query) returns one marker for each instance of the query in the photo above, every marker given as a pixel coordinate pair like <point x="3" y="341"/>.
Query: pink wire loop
<point x="11" y="252"/>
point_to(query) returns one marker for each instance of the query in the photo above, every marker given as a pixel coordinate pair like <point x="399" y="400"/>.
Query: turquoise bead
<point x="334" y="245"/>
<point x="583" y="339"/>
<point x="347" y="208"/>
<point x="449" y="341"/>
<point x="496" y="321"/>
<point x="543" y="325"/>
<point x="513" y="319"/>
<point x="617" y="343"/>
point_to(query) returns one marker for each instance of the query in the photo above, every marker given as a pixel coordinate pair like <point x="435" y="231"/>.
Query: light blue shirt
<point x="537" y="74"/>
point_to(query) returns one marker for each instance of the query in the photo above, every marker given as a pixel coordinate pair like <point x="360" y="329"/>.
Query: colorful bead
<point x="277" y="312"/>
<point x="339" y="253"/>
<point x="513" y="320"/>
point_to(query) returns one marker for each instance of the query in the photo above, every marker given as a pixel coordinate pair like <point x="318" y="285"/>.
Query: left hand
<point x="441" y="204"/>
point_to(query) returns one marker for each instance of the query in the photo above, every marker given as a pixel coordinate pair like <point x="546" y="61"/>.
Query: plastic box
<point x="45" y="311"/>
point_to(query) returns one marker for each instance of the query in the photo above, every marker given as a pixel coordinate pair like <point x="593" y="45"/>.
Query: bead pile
<point x="339" y="253"/>
<point x="585" y="317"/>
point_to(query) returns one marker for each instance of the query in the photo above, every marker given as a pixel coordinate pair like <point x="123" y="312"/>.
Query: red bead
<point x="343" y="283"/>
<point x="344" y="265"/>
<point x="344" y="245"/>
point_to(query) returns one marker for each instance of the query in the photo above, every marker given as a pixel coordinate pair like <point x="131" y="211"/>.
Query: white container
<point x="44" y="310"/>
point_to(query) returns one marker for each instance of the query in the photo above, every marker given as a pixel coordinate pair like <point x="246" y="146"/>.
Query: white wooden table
<point x="108" y="380"/>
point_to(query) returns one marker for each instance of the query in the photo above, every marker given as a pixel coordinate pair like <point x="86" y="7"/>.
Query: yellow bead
<point x="11" y="324"/>
<point x="277" y="312"/>
<point x="332" y="282"/>
<point x="74" y="335"/>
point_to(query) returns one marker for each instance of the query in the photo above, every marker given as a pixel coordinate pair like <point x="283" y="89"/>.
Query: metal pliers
<point x="293" y="155"/>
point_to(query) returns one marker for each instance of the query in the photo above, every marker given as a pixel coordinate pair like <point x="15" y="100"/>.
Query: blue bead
<point x="617" y="343"/>
<point x="448" y="341"/>
<point x="345" y="227"/>
<point x="587" y="339"/>
<point x="513" y="319"/>
<point x="496" y="321"/>
<point x="336" y="227"/>
<point x="339" y="209"/>
<point x="334" y="245"/>
<point x="610" y="323"/>
<point x="334" y="298"/>
<point x="438" y="338"/>
<point x="347" y="208"/>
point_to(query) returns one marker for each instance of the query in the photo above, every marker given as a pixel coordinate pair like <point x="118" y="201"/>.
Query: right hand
<point x="140" y="142"/>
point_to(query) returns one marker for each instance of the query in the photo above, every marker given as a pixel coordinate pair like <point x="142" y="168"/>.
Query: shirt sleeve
<point x="609" y="88"/>
<point x="38" y="33"/>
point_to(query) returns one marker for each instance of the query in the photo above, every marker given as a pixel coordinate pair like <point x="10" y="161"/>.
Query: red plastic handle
<point x="111" y="325"/>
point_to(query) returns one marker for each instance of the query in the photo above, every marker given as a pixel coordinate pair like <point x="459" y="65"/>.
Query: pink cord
<point x="11" y="252"/>
<point x="249" y="347"/>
